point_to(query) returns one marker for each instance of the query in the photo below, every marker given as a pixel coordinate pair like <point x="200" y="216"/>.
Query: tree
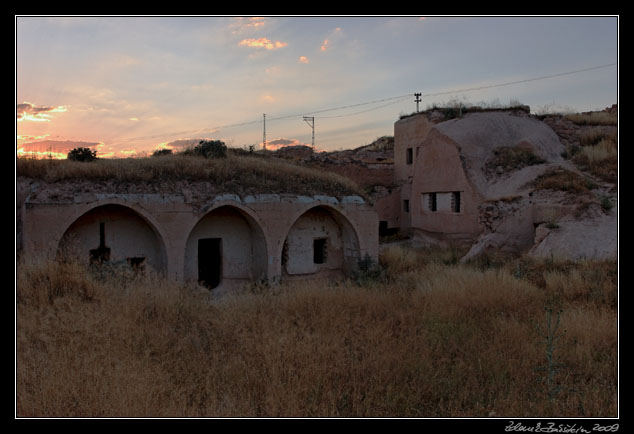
<point x="82" y="154"/>
<point x="211" y="149"/>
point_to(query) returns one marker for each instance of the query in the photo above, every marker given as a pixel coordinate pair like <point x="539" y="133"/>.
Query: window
<point x="319" y="251"/>
<point x="409" y="156"/>
<point x="433" y="203"/>
<point x="455" y="201"/>
<point x="406" y="205"/>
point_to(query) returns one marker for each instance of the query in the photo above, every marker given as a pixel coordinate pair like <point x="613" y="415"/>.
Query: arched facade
<point x="320" y="242"/>
<point x="117" y="234"/>
<point x="226" y="248"/>
<point x="226" y="243"/>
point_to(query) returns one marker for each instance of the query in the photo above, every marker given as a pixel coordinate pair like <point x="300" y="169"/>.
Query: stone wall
<point x="165" y="229"/>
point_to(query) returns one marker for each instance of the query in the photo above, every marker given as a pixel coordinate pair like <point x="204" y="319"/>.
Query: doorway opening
<point x="210" y="262"/>
<point x="319" y="251"/>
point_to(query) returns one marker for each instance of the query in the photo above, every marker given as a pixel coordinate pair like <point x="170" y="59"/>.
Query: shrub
<point x="368" y="270"/>
<point x="82" y="154"/>
<point x="211" y="149"/>
<point x="512" y="158"/>
<point x="161" y="152"/>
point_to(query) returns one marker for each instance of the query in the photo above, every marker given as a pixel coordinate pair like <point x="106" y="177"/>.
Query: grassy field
<point x="417" y="336"/>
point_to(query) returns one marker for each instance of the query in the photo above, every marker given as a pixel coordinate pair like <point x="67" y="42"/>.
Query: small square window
<point x="406" y="205"/>
<point x="409" y="156"/>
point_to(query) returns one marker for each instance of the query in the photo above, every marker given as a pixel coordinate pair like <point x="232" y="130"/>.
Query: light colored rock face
<point x="592" y="238"/>
<point x="477" y="135"/>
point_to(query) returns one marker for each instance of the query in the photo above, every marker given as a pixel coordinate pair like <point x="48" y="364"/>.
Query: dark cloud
<point x="284" y="142"/>
<point x="183" y="143"/>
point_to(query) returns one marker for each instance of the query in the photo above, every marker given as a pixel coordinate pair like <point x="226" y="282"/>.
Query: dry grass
<point x="560" y="179"/>
<point x="434" y="340"/>
<point x="235" y="174"/>
<point x="599" y="156"/>
<point x="593" y="118"/>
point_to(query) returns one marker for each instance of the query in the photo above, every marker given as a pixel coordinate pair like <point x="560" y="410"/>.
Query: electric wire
<point x="393" y="100"/>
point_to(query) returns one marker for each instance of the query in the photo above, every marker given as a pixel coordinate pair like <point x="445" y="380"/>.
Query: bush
<point x="161" y="152"/>
<point x="211" y="149"/>
<point x="368" y="270"/>
<point x="82" y="154"/>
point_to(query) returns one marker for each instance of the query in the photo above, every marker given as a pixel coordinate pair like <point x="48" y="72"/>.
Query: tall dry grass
<point x="434" y="339"/>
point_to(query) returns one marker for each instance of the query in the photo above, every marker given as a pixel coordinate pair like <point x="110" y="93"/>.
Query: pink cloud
<point x="53" y="148"/>
<point x="262" y="43"/>
<point x="303" y="59"/>
<point x="29" y="112"/>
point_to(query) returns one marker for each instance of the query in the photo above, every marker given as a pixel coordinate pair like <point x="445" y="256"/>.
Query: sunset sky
<point x="126" y="86"/>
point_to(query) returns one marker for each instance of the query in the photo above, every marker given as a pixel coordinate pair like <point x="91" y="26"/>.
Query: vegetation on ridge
<point x="239" y="174"/>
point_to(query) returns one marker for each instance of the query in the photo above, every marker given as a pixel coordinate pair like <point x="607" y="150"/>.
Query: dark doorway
<point x="319" y="250"/>
<point x="210" y="261"/>
<point x="382" y="228"/>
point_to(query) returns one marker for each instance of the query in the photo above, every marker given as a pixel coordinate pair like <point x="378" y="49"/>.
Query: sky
<point x="128" y="85"/>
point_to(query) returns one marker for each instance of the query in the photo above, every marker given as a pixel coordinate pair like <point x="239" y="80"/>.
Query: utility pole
<point x="417" y="95"/>
<point x="264" y="132"/>
<point x="312" y="125"/>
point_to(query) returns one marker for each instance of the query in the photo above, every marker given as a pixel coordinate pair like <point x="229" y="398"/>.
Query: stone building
<point x="222" y="242"/>
<point x="448" y="176"/>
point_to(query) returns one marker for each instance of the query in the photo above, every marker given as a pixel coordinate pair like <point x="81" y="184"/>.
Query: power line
<point x="526" y="80"/>
<point x="393" y="100"/>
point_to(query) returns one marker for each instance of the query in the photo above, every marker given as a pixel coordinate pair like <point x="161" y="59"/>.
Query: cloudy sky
<point x="129" y="85"/>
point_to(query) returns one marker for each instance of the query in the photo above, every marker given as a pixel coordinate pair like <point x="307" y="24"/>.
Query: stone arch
<point x="115" y="233"/>
<point x="226" y="248"/>
<point x="321" y="242"/>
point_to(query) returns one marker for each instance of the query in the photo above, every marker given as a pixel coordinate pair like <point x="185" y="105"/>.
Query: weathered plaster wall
<point x="439" y="170"/>
<point x="316" y="223"/>
<point x="258" y="226"/>
<point x="126" y="234"/>
<point x="243" y="248"/>
<point x="408" y="133"/>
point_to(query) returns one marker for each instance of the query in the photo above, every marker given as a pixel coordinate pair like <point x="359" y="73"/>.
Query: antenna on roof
<point x="417" y="100"/>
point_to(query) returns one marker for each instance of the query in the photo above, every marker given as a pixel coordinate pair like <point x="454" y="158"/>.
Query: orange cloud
<point x="267" y="98"/>
<point x="303" y="59"/>
<point x="51" y="148"/>
<point x="262" y="43"/>
<point x="255" y="21"/>
<point x="28" y="112"/>
<point x="335" y="34"/>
